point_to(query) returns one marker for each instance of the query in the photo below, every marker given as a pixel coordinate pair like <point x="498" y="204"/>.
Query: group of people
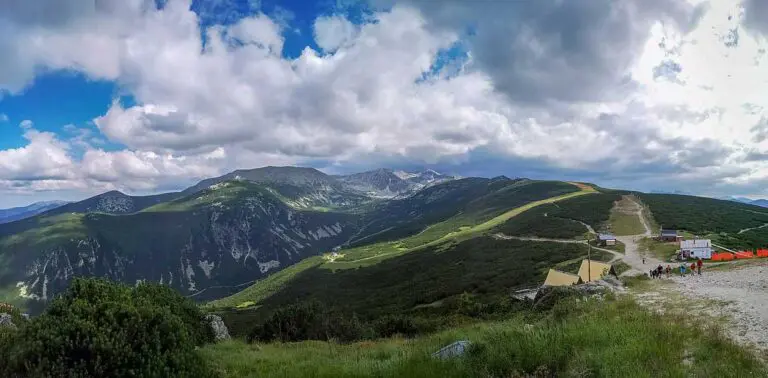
<point x="694" y="268"/>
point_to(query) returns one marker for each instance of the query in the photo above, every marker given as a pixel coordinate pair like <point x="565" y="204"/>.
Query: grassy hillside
<point x="562" y="219"/>
<point x="726" y="222"/>
<point x="585" y="339"/>
<point x="624" y="218"/>
<point x="444" y="208"/>
<point x="433" y="279"/>
<point x="430" y="247"/>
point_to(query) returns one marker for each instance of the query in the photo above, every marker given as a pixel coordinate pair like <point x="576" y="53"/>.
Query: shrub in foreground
<point x="103" y="329"/>
<point x="309" y="321"/>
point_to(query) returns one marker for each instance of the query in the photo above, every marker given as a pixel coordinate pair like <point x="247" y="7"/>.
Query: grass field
<point x="577" y="339"/>
<point x="624" y="219"/>
<point x="660" y="250"/>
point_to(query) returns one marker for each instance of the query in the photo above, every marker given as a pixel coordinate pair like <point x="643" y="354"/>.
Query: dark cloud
<point x="557" y="50"/>
<point x="756" y="15"/>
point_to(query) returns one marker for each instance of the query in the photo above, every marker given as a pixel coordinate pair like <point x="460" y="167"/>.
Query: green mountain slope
<point x="733" y="224"/>
<point x="437" y="211"/>
<point x="377" y="279"/>
<point x="203" y="245"/>
<point x="302" y="188"/>
<point x="564" y="219"/>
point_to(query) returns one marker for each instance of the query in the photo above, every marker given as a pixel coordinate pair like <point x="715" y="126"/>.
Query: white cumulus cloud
<point x="630" y="91"/>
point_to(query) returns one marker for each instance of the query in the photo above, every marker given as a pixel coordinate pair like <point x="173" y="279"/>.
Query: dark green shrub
<point x="103" y="329"/>
<point x="184" y="308"/>
<point x="309" y="321"/>
<point x="392" y="325"/>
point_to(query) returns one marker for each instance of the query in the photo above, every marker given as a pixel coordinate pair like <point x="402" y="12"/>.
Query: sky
<point x="146" y="96"/>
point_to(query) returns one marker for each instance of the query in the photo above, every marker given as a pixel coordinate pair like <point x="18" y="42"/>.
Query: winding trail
<point x="752" y="228"/>
<point x="616" y="255"/>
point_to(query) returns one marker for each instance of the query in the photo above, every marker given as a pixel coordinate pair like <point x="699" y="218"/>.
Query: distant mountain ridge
<point x="18" y="213"/>
<point x="758" y="202"/>
<point x="388" y="183"/>
<point x="208" y="239"/>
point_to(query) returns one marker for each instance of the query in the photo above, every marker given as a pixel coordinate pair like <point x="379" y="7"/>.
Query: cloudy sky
<point x="152" y="95"/>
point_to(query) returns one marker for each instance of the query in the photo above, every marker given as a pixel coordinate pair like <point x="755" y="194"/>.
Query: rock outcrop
<point x="220" y="330"/>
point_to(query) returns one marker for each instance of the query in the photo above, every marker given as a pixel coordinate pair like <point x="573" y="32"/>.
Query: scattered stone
<point x="6" y="320"/>
<point x="220" y="330"/>
<point x="456" y="349"/>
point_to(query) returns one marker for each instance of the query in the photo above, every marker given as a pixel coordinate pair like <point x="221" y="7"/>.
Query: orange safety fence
<point x="744" y="255"/>
<point x="762" y="253"/>
<point x="722" y="256"/>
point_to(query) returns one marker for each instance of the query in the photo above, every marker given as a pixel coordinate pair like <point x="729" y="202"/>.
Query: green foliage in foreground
<point x="102" y="329"/>
<point x="592" y="338"/>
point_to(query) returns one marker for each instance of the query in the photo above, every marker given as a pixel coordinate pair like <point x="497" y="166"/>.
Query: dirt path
<point x="616" y="255"/>
<point x="632" y="255"/>
<point x="752" y="228"/>
<point x="740" y="296"/>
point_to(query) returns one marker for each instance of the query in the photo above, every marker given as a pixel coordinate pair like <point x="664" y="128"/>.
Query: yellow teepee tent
<point x="594" y="270"/>
<point x="558" y="278"/>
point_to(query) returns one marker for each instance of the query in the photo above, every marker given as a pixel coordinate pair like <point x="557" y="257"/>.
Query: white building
<point x="697" y="248"/>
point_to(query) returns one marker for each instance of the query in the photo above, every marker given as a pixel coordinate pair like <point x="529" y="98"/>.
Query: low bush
<point x="309" y="321"/>
<point x="102" y="329"/>
<point x="392" y="325"/>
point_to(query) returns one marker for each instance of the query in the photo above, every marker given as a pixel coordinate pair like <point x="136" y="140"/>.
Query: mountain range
<point x="215" y="236"/>
<point x="17" y="213"/>
<point x="758" y="202"/>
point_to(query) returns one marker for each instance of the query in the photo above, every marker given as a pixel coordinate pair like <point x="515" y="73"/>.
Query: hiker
<point x="643" y="260"/>
<point x="699" y="263"/>
<point x="669" y="270"/>
<point x="682" y="270"/>
<point x="693" y="269"/>
<point x="659" y="270"/>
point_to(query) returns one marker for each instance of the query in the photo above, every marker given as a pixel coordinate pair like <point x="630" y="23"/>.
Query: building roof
<point x="696" y="243"/>
<point x="558" y="278"/>
<point x="669" y="232"/>
<point x="598" y="270"/>
<point x="606" y="236"/>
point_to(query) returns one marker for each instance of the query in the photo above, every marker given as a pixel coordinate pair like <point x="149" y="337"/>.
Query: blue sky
<point x="146" y="96"/>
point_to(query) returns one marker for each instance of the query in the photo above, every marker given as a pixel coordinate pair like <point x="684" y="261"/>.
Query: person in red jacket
<point x="699" y="263"/>
<point x="693" y="269"/>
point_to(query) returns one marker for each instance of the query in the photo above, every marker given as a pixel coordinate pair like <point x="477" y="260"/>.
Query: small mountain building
<point x="695" y="249"/>
<point x="606" y="239"/>
<point x="670" y="236"/>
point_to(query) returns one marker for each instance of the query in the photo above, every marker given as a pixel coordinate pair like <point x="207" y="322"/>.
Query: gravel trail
<point x="740" y="294"/>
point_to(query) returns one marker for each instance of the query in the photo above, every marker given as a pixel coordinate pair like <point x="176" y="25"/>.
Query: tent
<point x="558" y="278"/>
<point x="744" y="255"/>
<point x="597" y="271"/>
